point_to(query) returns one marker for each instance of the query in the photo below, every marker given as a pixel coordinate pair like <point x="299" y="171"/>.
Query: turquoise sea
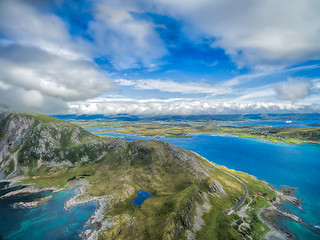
<point x="48" y="221"/>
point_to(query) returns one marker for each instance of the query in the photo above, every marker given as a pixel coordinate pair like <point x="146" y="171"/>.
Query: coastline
<point x="276" y="231"/>
<point x="96" y="220"/>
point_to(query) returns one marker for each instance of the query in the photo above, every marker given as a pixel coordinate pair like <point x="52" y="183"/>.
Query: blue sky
<point x="160" y="57"/>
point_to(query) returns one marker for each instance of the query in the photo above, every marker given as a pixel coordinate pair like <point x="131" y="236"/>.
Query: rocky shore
<point x="79" y="199"/>
<point x="29" y="190"/>
<point x="288" y="195"/>
<point x="97" y="220"/>
<point x="32" y="204"/>
<point x="270" y="216"/>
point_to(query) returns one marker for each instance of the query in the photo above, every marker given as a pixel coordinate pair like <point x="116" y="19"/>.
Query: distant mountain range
<point x="236" y="117"/>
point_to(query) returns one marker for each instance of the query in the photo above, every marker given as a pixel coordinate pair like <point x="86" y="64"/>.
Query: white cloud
<point x="46" y="69"/>
<point x="173" y="86"/>
<point x="22" y="100"/>
<point x="292" y="90"/>
<point x="257" y="94"/>
<point x="28" y="71"/>
<point x="23" y="24"/>
<point x="128" y="42"/>
<point x="255" y="33"/>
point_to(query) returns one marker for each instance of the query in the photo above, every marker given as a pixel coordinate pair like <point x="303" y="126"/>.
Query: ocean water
<point x="48" y="221"/>
<point x="279" y="164"/>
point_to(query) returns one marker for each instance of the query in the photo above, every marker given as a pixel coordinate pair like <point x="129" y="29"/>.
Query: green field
<point x="292" y="135"/>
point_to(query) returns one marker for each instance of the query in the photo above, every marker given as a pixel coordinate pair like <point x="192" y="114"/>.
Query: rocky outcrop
<point x="28" y="190"/>
<point x="215" y="187"/>
<point x="13" y="132"/>
<point x="79" y="200"/>
<point x="200" y="210"/>
<point x="32" y="204"/>
<point x="186" y="159"/>
<point x="288" y="195"/>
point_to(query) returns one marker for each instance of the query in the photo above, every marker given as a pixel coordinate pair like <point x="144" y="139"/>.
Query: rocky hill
<point x="29" y="141"/>
<point x="190" y="195"/>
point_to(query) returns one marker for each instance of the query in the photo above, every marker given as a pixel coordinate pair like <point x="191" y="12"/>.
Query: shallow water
<point x="48" y="221"/>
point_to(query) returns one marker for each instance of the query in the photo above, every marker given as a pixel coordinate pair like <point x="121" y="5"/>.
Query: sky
<point x="160" y="57"/>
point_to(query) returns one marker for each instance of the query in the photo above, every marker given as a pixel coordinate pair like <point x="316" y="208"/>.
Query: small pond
<point x="142" y="195"/>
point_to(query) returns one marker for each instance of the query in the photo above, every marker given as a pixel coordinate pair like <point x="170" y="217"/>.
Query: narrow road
<point x="235" y="208"/>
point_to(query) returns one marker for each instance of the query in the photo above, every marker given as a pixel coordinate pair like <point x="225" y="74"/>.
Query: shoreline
<point x="218" y="134"/>
<point x="96" y="220"/>
<point x="31" y="189"/>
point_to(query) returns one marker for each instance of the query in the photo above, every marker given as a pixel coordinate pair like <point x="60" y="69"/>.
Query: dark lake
<point x="142" y="196"/>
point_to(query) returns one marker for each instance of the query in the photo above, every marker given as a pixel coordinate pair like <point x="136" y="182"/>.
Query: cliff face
<point x="29" y="141"/>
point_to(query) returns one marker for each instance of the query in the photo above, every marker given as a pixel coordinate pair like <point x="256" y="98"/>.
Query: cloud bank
<point x="36" y="80"/>
<point x="182" y="107"/>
